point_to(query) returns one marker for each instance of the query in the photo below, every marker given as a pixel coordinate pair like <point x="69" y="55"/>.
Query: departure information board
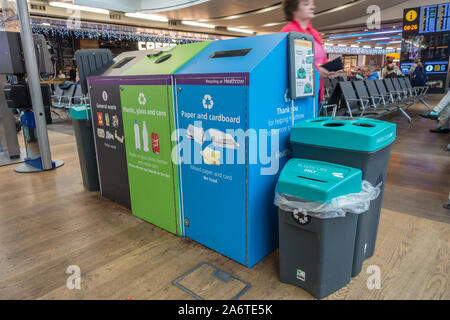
<point x="435" y="18"/>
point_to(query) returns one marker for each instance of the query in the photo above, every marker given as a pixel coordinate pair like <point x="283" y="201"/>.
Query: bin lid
<point x="81" y="112"/>
<point x="360" y="134"/>
<point x="318" y="181"/>
<point x="166" y="62"/>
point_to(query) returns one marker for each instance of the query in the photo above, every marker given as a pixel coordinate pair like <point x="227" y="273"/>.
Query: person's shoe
<point x="432" y="115"/>
<point x="440" y="130"/>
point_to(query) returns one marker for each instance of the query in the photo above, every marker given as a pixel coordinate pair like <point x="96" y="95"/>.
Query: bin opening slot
<point x="230" y="53"/>
<point x="312" y="179"/>
<point x="163" y="58"/>
<point x="122" y="62"/>
<point x="152" y="55"/>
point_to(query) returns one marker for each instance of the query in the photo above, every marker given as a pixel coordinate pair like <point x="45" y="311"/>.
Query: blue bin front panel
<point x="213" y="191"/>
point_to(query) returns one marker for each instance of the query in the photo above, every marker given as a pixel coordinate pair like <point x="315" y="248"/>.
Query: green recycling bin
<point x="316" y="242"/>
<point x="359" y="143"/>
<point x="82" y="123"/>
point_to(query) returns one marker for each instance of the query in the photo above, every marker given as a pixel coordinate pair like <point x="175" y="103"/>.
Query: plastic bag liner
<point x="354" y="203"/>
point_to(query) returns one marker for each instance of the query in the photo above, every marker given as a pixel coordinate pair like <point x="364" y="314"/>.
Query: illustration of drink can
<point x="155" y="142"/>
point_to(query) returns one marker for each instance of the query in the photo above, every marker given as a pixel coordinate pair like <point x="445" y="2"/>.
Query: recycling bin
<point x="359" y="143"/>
<point x="137" y="92"/>
<point x="81" y="118"/>
<point x="316" y="253"/>
<point x="233" y="118"/>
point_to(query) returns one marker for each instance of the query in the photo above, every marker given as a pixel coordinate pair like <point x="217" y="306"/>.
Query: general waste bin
<point x="359" y="143"/>
<point x="82" y="123"/>
<point x="316" y="253"/>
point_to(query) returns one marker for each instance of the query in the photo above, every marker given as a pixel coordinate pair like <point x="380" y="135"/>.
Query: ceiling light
<point x="328" y="44"/>
<point x="46" y="24"/>
<point x="272" y="24"/>
<point x="77" y="7"/>
<point x="145" y="16"/>
<point x="389" y="48"/>
<point x="240" y="30"/>
<point x="367" y="47"/>
<point x="354" y="46"/>
<point x="363" y="34"/>
<point x="268" y="9"/>
<point x="378" y="48"/>
<point x="198" y="24"/>
<point x="233" y="17"/>
<point x="342" y="45"/>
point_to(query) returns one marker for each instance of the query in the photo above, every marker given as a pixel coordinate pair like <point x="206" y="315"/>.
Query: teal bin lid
<point x="359" y="134"/>
<point x="81" y="112"/>
<point x="318" y="181"/>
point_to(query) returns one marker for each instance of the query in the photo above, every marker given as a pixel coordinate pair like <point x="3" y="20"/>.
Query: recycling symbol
<point x="208" y="102"/>
<point x="142" y="99"/>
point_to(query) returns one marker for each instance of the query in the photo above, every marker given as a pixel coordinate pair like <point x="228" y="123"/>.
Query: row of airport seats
<point x="374" y="98"/>
<point x="66" y="95"/>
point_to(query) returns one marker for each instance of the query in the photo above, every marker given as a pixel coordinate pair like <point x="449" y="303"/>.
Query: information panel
<point x="428" y="19"/>
<point x="304" y="68"/>
<point x="435" y="18"/>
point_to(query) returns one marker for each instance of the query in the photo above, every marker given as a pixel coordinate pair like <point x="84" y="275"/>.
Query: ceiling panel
<point x="217" y="8"/>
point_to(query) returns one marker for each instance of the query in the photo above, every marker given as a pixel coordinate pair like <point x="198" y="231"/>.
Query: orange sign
<point x="411" y="15"/>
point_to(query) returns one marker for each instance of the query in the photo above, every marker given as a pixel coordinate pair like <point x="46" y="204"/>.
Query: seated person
<point x="372" y="73"/>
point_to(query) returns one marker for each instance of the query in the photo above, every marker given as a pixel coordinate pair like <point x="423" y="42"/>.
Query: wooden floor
<point x="49" y="222"/>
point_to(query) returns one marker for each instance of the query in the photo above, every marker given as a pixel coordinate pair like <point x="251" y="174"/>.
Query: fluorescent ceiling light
<point x="198" y="24"/>
<point x="46" y="24"/>
<point x="363" y="34"/>
<point x="240" y="30"/>
<point x="268" y="9"/>
<point x="233" y="17"/>
<point x="342" y="45"/>
<point x="376" y="39"/>
<point x="328" y="44"/>
<point x="272" y="24"/>
<point x="367" y="47"/>
<point x="389" y="48"/>
<point x="159" y="7"/>
<point x="354" y="46"/>
<point x="72" y="6"/>
<point x="378" y="48"/>
<point x="152" y="17"/>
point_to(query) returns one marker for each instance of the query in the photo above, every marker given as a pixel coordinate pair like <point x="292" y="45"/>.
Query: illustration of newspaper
<point x="222" y="139"/>
<point x="196" y="133"/>
<point x="211" y="156"/>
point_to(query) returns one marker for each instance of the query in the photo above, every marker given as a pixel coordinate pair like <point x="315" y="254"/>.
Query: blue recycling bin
<point x="226" y="97"/>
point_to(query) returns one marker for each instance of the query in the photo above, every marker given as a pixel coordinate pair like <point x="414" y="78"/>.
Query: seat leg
<point x="405" y="114"/>
<point x="425" y="104"/>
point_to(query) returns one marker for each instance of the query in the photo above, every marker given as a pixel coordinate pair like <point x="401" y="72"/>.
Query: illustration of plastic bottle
<point x="145" y="137"/>
<point x="137" y="138"/>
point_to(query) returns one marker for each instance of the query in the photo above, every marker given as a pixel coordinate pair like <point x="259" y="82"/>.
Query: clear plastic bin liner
<point x="354" y="203"/>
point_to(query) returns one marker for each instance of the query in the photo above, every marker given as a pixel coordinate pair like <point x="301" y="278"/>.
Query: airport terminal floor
<point x="199" y="154"/>
<point x="48" y="221"/>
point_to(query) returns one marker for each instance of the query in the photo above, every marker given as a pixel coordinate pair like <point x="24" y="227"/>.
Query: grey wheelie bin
<point x="82" y="123"/>
<point x="317" y="237"/>
<point x="359" y="143"/>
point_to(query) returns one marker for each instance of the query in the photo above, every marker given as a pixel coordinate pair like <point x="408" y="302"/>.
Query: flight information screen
<point x="435" y="18"/>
